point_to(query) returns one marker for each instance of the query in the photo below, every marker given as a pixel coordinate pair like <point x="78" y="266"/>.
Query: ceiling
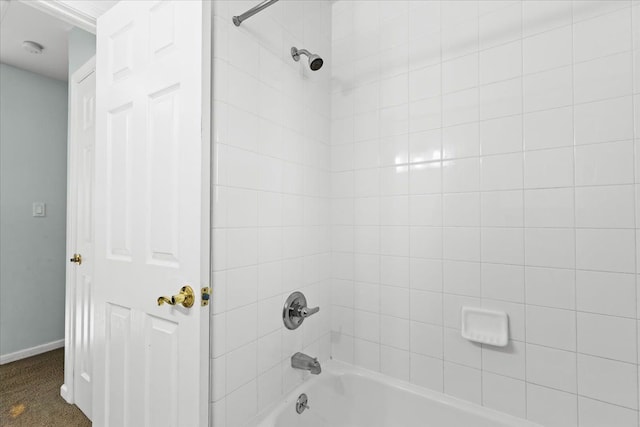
<point x="22" y="22"/>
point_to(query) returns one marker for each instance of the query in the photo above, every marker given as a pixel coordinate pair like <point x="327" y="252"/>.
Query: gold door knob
<point x="185" y="297"/>
<point x="76" y="259"/>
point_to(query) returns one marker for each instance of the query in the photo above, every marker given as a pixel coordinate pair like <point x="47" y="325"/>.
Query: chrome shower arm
<point x="237" y="20"/>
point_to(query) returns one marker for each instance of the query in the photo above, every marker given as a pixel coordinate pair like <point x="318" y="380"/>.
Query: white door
<point x="152" y="214"/>
<point x="81" y="186"/>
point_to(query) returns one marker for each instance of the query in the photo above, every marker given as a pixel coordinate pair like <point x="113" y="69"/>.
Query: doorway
<point x="39" y="55"/>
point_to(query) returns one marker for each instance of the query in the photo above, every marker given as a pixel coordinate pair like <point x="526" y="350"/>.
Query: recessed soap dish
<point x="485" y="326"/>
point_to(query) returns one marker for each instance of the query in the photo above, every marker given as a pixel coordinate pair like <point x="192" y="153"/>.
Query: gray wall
<point x="33" y="167"/>
<point x="82" y="46"/>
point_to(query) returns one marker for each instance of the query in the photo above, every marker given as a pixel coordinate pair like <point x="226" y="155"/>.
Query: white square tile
<point x="550" y="247"/>
<point x="242" y="287"/>
<point x="461" y="278"/>
<point x="548" y="129"/>
<point x="508" y="361"/>
<point x="425" y="146"/>
<point x="602" y="121"/>
<point x="395" y="332"/>
<point x="424" y="115"/>
<point x="394" y="180"/>
<point x="504" y="282"/>
<point x="501" y="25"/>
<point x="605" y="207"/>
<point x="425" y="242"/>
<point x="426" y="339"/>
<point x="394" y="210"/>
<point x="501" y="172"/>
<point x="550" y="287"/>
<point x="607" y="336"/>
<point x="269" y="387"/>
<point x="427" y="372"/>
<point x="502" y="208"/>
<point x="395" y="363"/>
<point x="242" y="404"/>
<point x="542" y="15"/>
<point x="366" y="326"/>
<point x="602" y="35"/>
<point x="394" y="301"/>
<point x="551" y="407"/>
<point x="548" y="168"/>
<point x="504" y="394"/>
<point x="606" y="293"/>
<point x="461" y="244"/>
<point x="551" y="327"/>
<point x="608" y="380"/>
<point x="241" y="326"/>
<point x="460" y="73"/>
<point x="603" y="78"/>
<point x="461" y="209"/>
<point x="394" y="271"/>
<point x="593" y="413"/>
<point x="425" y="210"/>
<point x="548" y="89"/>
<point x="366" y="297"/>
<point x="425" y="178"/>
<point x="462" y="175"/>
<point x="501" y="63"/>
<point x="394" y="241"/>
<point x="218" y="374"/>
<point x="269" y="351"/>
<point x="501" y="99"/>
<point x="460" y="107"/>
<point x="605" y="250"/>
<point x="367" y="354"/>
<point x="394" y="90"/>
<point x="426" y="307"/>
<point x="502" y="245"/>
<point x="241" y="366"/>
<point x="426" y="274"/>
<point x="551" y="207"/>
<point x="460" y="141"/>
<point x="604" y="164"/>
<point x="501" y="135"/>
<point x="424" y="82"/>
<point x="551" y="367"/>
<point x="463" y="382"/>
<point x="547" y="50"/>
<point x="585" y="9"/>
<point x="460" y="38"/>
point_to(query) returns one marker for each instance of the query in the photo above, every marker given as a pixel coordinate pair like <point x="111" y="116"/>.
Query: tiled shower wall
<point x="484" y="154"/>
<point x="271" y="202"/>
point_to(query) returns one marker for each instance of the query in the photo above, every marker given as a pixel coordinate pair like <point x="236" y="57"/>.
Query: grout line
<point x="441" y="193"/>
<point x="575" y="250"/>
<point x="523" y="212"/>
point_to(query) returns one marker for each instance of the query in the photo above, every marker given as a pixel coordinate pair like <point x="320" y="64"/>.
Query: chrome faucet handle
<point x="306" y="311"/>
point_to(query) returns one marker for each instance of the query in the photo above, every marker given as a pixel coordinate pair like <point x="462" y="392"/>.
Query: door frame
<point x="65" y="11"/>
<point x="67" y="389"/>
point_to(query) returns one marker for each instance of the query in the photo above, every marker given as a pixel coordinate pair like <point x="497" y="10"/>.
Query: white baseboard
<point x="28" y="352"/>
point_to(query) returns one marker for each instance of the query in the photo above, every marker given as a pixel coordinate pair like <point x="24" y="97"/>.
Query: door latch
<point x="206" y="296"/>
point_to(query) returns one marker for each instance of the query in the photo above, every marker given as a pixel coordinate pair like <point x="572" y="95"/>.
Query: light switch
<point x="39" y="209"/>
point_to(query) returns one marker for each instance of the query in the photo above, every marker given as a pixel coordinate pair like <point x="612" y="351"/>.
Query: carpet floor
<point x="30" y="394"/>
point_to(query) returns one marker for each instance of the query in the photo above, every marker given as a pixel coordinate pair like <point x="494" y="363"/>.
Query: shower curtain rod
<point x="249" y="13"/>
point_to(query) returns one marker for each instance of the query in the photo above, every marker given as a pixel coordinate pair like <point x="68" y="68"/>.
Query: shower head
<point x="315" y="61"/>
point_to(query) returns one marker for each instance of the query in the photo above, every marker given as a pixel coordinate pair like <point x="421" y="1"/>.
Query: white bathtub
<point x="346" y="396"/>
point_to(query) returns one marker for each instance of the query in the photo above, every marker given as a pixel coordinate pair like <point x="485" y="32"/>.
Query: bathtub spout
<point x="308" y="363"/>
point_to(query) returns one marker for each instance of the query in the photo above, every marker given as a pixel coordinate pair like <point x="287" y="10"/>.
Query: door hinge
<point x="206" y="296"/>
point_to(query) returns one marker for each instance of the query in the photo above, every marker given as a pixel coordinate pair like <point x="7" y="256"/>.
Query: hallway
<point x="30" y="394"/>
